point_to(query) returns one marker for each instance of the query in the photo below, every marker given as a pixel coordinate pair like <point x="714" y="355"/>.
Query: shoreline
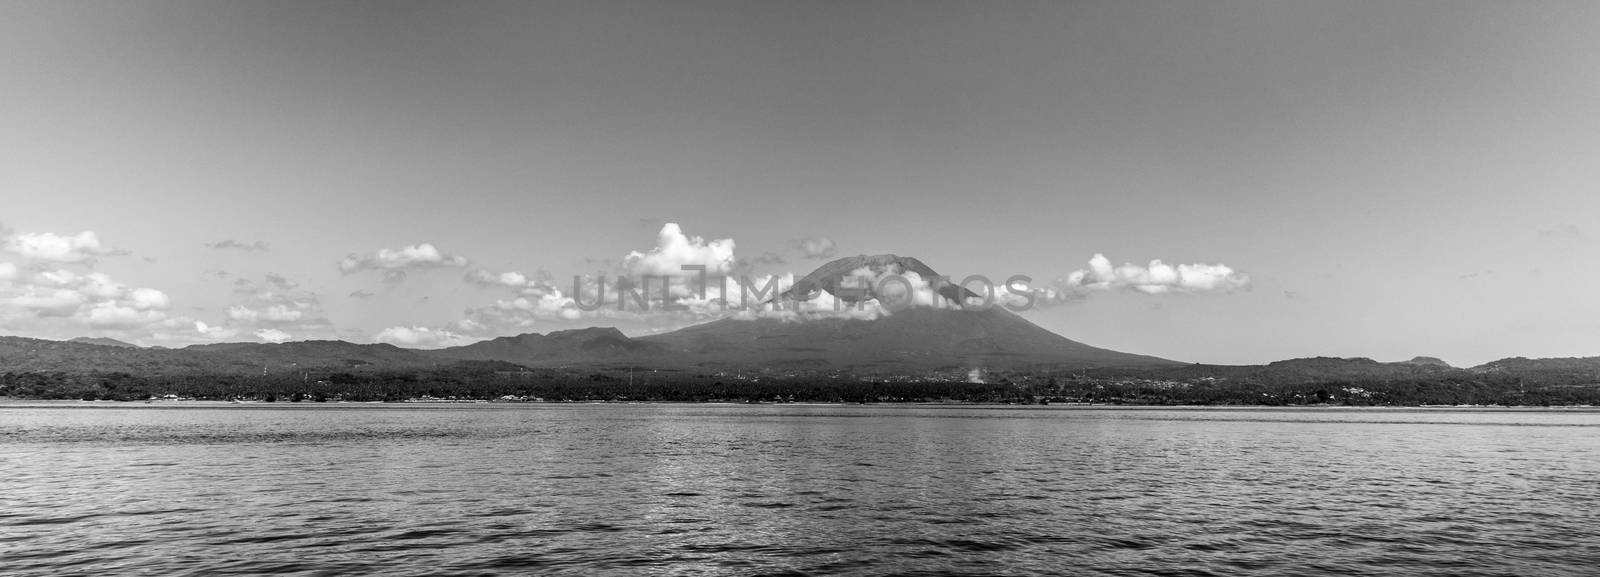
<point x="16" y="402"/>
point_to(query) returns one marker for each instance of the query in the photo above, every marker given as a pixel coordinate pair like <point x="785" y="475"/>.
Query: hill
<point x="102" y="341"/>
<point x="590" y="346"/>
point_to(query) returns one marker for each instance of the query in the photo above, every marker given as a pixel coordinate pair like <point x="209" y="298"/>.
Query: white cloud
<point x="273" y="336"/>
<point x="674" y="249"/>
<point x="537" y="304"/>
<point x="270" y="314"/>
<point x="145" y="299"/>
<point x="1156" y="278"/>
<point x="274" y="306"/>
<point x="65" y="302"/>
<point x="275" y="298"/>
<point x="416" y="256"/>
<point x="214" y="333"/>
<point x="8" y="271"/>
<point x="485" y="278"/>
<point x="422" y="337"/>
<point x="55" y="248"/>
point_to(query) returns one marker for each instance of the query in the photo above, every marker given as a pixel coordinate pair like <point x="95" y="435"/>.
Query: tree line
<point x="498" y="381"/>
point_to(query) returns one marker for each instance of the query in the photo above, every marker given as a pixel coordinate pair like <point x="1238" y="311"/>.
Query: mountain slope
<point x="102" y="341"/>
<point x="242" y="357"/>
<point x="578" y="346"/>
<point x="911" y="339"/>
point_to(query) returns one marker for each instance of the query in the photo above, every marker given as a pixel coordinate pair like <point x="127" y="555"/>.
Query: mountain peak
<point x="830" y="276"/>
<point x="1430" y="361"/>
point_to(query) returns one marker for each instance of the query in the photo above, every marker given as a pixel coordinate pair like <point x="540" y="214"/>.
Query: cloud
<point x="270" y="314"/>
<point x="651" y="287"/>
<point x="275" y="290"/>
<point x="230" y="244"/>
<point x="214" y="333"/>
<point x="674" y="249"/>
<point x="1156" y="278"/>
<point x="653" y="291"/>
<point x="273" y="336"/>
<point x="273" y="303"/>
<point x="420" y="337"/>
<point x="93" y="300"/>
<point x="535" y="300"/>
<point x="484" y="278"/>
<point x="362" y="294"/>
<point x="55" y="248"/>
<point x="815" y="247"/>
<point x="418" y="256"/>
<point x="279" y="282"/>
<point x="148" y="299"/>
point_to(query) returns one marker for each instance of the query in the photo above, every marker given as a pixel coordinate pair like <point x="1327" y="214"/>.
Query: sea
<point x="192" y="488"/>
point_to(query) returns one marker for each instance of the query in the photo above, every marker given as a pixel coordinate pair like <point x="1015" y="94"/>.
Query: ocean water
<point x="581" y="489"/>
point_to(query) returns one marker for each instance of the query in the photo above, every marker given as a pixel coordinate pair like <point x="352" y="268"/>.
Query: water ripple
<point x="772" y="490"/>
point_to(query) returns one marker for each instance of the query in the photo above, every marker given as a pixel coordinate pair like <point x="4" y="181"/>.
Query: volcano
<point x="909" y="340"/>
<point x="831" y="276"/>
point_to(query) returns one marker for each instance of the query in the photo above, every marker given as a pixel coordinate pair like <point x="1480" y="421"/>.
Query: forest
<point x="499" y="381"/>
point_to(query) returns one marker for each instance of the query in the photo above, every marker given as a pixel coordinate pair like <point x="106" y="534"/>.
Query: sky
<point x="1374" y="179"/>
